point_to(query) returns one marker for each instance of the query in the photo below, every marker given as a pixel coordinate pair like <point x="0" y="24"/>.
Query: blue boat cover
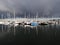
<point x="34" y="24"/>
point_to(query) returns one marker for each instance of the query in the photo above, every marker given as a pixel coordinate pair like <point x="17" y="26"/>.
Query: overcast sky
<point x="47" y="5"/>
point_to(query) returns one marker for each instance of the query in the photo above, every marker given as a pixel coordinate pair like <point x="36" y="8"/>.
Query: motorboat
<point x="43" y="23"/>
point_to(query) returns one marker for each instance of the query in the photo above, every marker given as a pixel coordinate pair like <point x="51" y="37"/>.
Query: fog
<point x="46" y="6"/>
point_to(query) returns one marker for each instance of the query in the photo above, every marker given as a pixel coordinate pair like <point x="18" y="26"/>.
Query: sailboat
<point x="27" y="23"/>
<point x="14" y="22"/>
<point x="8" y="21"/>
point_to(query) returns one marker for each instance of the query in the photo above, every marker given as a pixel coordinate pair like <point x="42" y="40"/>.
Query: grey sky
<point x="47" y="5"/>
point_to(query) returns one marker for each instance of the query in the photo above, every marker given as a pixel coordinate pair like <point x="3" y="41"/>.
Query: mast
<point x="25" y="14"/>
<point x="29" y="16"/>
<point x="8" y="17"/>
<point x="14" y="15"/>
<point x="2" y="22"/>
<point x="36" y="16"/>
<point x="8" y="14"/>
<point x="14" y="22"/>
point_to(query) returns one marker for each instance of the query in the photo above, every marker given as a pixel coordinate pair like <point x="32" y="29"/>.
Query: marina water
<point x="42" y="34"/>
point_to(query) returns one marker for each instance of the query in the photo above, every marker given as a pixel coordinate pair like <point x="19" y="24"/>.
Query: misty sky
<point x="18" y="5"/>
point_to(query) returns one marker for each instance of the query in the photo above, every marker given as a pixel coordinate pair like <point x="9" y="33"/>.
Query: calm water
<point x="47" y="34"/>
